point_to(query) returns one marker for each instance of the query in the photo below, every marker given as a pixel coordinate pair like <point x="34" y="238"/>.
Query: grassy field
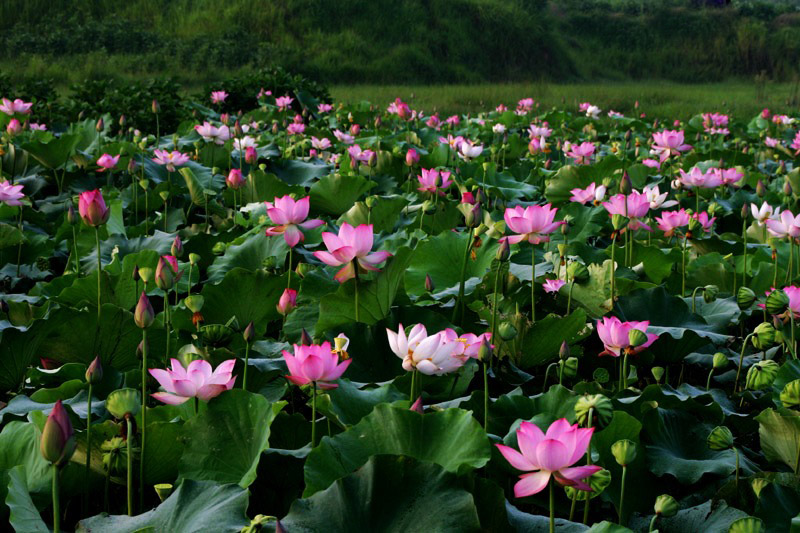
<point x="661" y="99"/>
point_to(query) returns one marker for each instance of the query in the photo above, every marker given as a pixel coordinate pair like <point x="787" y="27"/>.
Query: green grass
<point x="657" y="99"/>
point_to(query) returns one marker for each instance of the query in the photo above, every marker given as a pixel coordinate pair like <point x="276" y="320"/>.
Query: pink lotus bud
<point x="355" y="129"/>
<point x="224" y="118"/>
<point x="287" y="302"/>
<point x="165" y="275"/>
<point x="412" y="157"/>
<point x="143" y="315"/>
<point x="235" y="180"/>
<point x="417" y="406"/>
<point x="93" y="208"/>
<point x="249" y="333"/>
<point x="14" y="127"/>
<point x="177" y="247"/>
<point x="250" y="155"/>
<point x="58" y="440"/>
<point x="467" y="198"/>
<point x="155" y="107"/>
<point x="94" y="373"/>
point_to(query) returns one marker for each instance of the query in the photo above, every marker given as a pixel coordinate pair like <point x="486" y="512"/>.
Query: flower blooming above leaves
<point x="290" y="216"/>
<point x="317" y="363"/>
<point x="634" y="206"/>
<point x="591" y="194"/>
<point x="669" y="221"/>
<point x="196" y="381"/>
<point x="170" y="159"/>
<point x="553" y="285"/>
<point x="534" y="223"/>
<point x="434" y="181"/>
<point x="351" y="248"/>
<point x="614" y="335"/>
<point x="11" y="194"/>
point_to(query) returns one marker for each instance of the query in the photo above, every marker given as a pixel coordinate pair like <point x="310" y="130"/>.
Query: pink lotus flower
<point x="107" y="162"/>
<point x="217" y="97"/>
<point x="430" y="354"/>
<point x="467" y="345"/>
<point x="583" y="106"/>
<point x="524" y="106"/>
<point x="705" y="222"/>
<point x="11" y="194"/>
<point x="453" y="120"/>
<point x="244" y="143"/>
<point x="652" y="163"/>
<point x="295" y="128"/>
<point x="344" y="138"/>
<point x="290" y="216"/>
<point x="770" y="142"/>
<point x="321" y="144"/>
<point x="430" y="181"/>
<point x="634" y="207"/>
<point x="534" y="223"/>
<point x="553" y="285"/>
<point x="469" y="150"/>
<point x="452" y="142"/>
<point x="535" y="130"/>
<point x="287" y="302"/>
<point x="614" y="334"/>
<point x="170" y="159"/>
<point x="468" y="198"/>
<point x="787" y="225"/>
<point x="324" y="108"/>
<point x="235" y="180"/>
<point x="615" y="114"/>
<point x="37" y="127"/>
<point x="399" y="108"/>
<point x="794" y="299"/>
<point x="195" y="381"/>
<point x="581" y="154"/>
<point x="357" y="155"/>
<point x="58" y="441"/>
<point x="211" y="133"/>
<point x="669" y="221"/>
<point x="591" y="194"/>
<point x="92" y="208"/>
<point x="283" y="102"/>
<point x="697" y="178"/>
<point x="763" y="213"/>
<point x="783" y="120"/>
<point x="796" y="144"/>
<point x="315" y="364"/>
<point x="351" y="248"/>
<point x="549" y="454"/>
<point x="537" y="145"/>
<point x="434" y="122"/>
<point x="669" y="143"/>
<point x="18" y="106"/>
<point x="658" y="200"/>
<point x="501" y="108"/>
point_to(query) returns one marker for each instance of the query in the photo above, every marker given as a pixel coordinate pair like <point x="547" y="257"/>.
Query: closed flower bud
<point x="58" y="440"/>
<point x="305" y="338"/>
<point x="636" y="337"/>
<point x="761" y="190"/>
<point x="745" y="297"/>
<point x="602" y="410"/>
<point x="177" y="247"/>
<point x="563" y="352"/>
<point x="625" y="184"/>
<point x="249" y="333"/>
<point x="507" y="331"/>
<point x="485" y="350"/>
<point x="155" y="107"/>
<point x="123" y="402"/>
<point x="165" y="275"/>
<point x="143" y="315"/>
<point x="250" y="155"/>
<point x="429" y="286"/>
<point x="720" y="360"/>
<point x="287" y="302"/>
<point x="658" y="373"/>
<point x="624" y="451"/>
<point x="787" y="189"/>
<point x="135" y="274"/>
<point x="578" y="272"/>
<point x="666" y="506"/>
<point x="94" y="373"/>
<point x="100" y="125"/>
<point x="720" y="439"/>
<point x="710" y="293"/>
<point x="72" y="219"/>
<point x="777" y="302"/>
<point x="763" y="336"/>
<point x="503" y="251"/>
<point x="761" y="375"/>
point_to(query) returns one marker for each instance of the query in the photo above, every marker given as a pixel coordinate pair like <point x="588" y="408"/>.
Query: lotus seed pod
<point x="217" y="335"/>
<point x="146" y="273"/>
<point x="219" y="249"/>
<point x="507" y="331"/>
<point x="163" y="490"/>
<point x="790" y="395"/>
<point x="720" y="360"/>
<point x="720" y="439"/>
<point x="598" y="481"/>
<point x="666" y="506"/>
<point x="763" y="336"/>
<point x="710" y="293"/>
<point x="578" y="272"/>
<point x="570" y="366"/>
<point x="695" y="226"/>
<point x="761" y="375"/>
<point x="123" y="402"/>
<point x="658" y="373"/>
<point x="115" y="455"/>
<point x="194" y="302"/>
<point x="636" y="337"/>
<point x="194" y="259"/>
<point x="601" y="375"/>
<point x="777" y="302"/>
<point x="624" y="451"/>
<point x="94" y="373"/>
<point x="748" y="524"/>
<point x="745" y="298"/>
<point x="602" y="410"/>
<point x="758" y="485"/>
<point x="618" y="222"/>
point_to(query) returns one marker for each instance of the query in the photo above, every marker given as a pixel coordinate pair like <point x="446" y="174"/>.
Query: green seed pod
<point x="163" y="490"/>
<point x="507" y="331"/>
<point x="695" y="227"/>
<point x="624" y="451"/>
<point x="577" y="271"/>
<point x="763" y="336"/>
<point x="194" y="302"/>
<point x="570" y="366"/>
<point x="618" y="222"/>
<point x="194" y="259"/>
<point x="745" y="298"/>
<point x="720" y="439"/>
<point x="761" y="375"/>
<point x="748" y="524"/>
<point x="777" y="302"/>
<point x="637" y="337"/>
<point x="598" y="481"/>
<point x="758" y="485"/>
<point x="146" y="274"/>
<point x="115" y="455"/>
<point x="790" y="395"/>
<point x="123" y="402"/>
<point x="219" y="249"/>
<point x="720" y="360"/>
<point x="602" y="410"/>
<point x="601" y="375"/>
<point x="666" y="506"/>
<point x="217" y="335"/>
<point x="658" y="373"/>
<point x="710" y="293"/>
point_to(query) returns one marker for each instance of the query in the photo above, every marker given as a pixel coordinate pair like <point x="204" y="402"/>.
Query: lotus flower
<point x="430" y="354"/>
<point x="787" y="225"/>
<point x="634" y="206"/>
<point x="763" y="213"/>
<point x="794" y="299"/>
<point x="533" y="223"/>
<point x="211" y="133"/>
<point x="468" y="345"/>
<point x="698" y="178"/>
<point x="195" y="381"/>
<point x="290" y="215"/>
<point x="283" y="102"/>
<point x="217" y="97"/>
<point x="316" y="363"/>
<point x="412" y="157"/>
<point x="669" y="143"/>
<point x="92" y="208"/>
<point x="593" y="111"/>
<point x="580" y="153"/>
<point x="706" y="222"/>
<point x="324" y="108"/>
<point x="321" y="144"/>
<point x="592" y="193"/>
<point x="11" y="194"/>
<point x="170" y="159"/>
<point x="539" y="131"/>
<point x="469" y="150"/>
<point x="295" y="128"/>
<point x="614" y="334"/>
<point x="553" y="285"/>
<point x="669" y="221"/>
<point x="658" y="200"/>
<point x="351" y="247"/>
<point x="549" y="454"/>
<point x="17" y="106"/>
<point x="14" y="127"/>
<point x="344" y="138"/>
<point x="430" y="182"/>
<point x="107" y="162"/>
<point x="796" y="144"/>
<point x="244" y="143"/>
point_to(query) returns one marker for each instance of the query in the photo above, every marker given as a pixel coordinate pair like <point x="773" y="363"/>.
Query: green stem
<point x="413" y="384"/>
<point x="88" y="437"/>
<point x="144" y="419"/>
<point x="460" y="301"/>
<point x="313" y="414"/>
<point x="613" y="253"/>
<point x="683" y="268"/>
<point x="166" y="323"/>
<point x="744" y="265"/>
<point x="622" y="494"/>
<point x="775" y="269"/>
<point x="485" y="397"/>
<point x="246" y="361"/>
<point x="75" y="247"/>
<point x="694" y="295"/>
<point x="791" y="324"/>
<point x="289" y="270"/>
<point x="99" y="271"/>
<point x="56" y="501"/>
<point x="652" y="523"/>
<point x="708" y="381"/>
<point x="19" y="248"/>
<point x="624" y="376"/>
<point x="552" y="506"/>
<point x="189" y="281"/>
<point x="106" y="487"/>
<point x="355" y="286"/>
<point x="736" y="450"/>
<point x="130" y="465"/>
<point x="533" y="285"/>
<point x="741" y="358"/>
<point x="494" y="307"/>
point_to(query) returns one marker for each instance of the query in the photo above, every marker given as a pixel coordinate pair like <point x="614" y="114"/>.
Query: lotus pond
<point x="312" y="317"/>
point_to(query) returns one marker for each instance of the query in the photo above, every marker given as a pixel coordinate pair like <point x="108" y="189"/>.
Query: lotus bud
<point x="763" y="336"/>
<point x="563" y="351"/>
<point x="417" y="406"/>
<point x="507" y="331"/>
<point x="72" y="219"/>
<point x="194" y="302"/>
<point x="578" y="272"/>
<point x="658" y="373"/>
<point x="710" y="293"/>
<point x="745" y="297"/>
<point x="94" y="373"/>
<point x="602" y="410"/>
<point x="429" y="285"/>
<point x="58" y="440"/>
<point x="720" y="439"/>
<point x="761" y="190"/>
<point x="761" y="375"/>
<point x="163" y="490"/>
<point x="485" y="350"/>
<point x="165" y="275"/>
<point x="249" y="333"/>
<point x="100" y="125"/>
<point x="666" y="506"/>
<point x="378" y="122"/>
<point x="787" y="189"/>
<point x="155" y="107"/>
<point x="194" y="259"/>
<point x="305" y="338"/>
<point x="250" y="155"/>
<point x="720" y="360"/>
<point x="625" y="184"/>
<point x="747" y="524"/>
<point x="143" y="315"/>
<point x="777" y="302"/>
<point x="624" y="451"/>
<point x="758" y="484"/>
<point x="570" y="366"/>
<point x="287" y="302"/>
<point x="637" y="337"/>
<point x="123" y="402"/>
<point x="503" y="251"/>
<point x="177" y="247"/>
<point x="618" y="222"/>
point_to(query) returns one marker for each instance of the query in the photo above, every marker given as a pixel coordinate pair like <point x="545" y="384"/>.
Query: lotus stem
<point x="130" y="464"/>
<point x="683" y="267"/>
<point x="56" y="501"/>
<point x="19" y="248"/>
<point x="188" y="281"/>
<point x="246" y="362"/>
<point x="791" y="325"/>
<point x="744" y="239"/>
<point x="552" y="506"/>
<point x="289" y="270"/>
<point x="355" y="286"/>
<point x="485" y="397"/>
<point x="613" y="250"/>
<point x="736" y="451"/>
<point x="652" y="523"/>
<point x="75" y="248"/>
<point x="741" y="358"/>
<point x="313" y="414"/>
<point x="99" y="271"/>
<point x="88" y="437"/>
<point x="460" y="301"/>
<point x="588" y="462"/>
<point x="622" y="494"/>
<point x="694" y="296"/>
<point x="166" y="326"/>
<point x="143" y="429"/>
<point x="708" y="381"/>
<point x="533" y="284"/>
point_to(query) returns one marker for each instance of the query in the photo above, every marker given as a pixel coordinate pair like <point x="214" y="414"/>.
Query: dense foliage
<point x="363" y="319"/>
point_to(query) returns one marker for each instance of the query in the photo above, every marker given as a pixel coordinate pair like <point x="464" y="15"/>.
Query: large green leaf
<point x="237" y="421"/>
<point x="19" y="446"/>
<point x="336" y="193"/>
<point x="197" y="506"/>
<point x="451" y="438"/>
<point x="55" y="152"/>
<point x="23" y="516"/>
<point x="779" y="433"/>
<point x="247" y="295"/>
<point x="351" y="404"/>
<point x="391" y="495"/>
<point x="249" y="255"/>
<point x="707" y="517"/>
<point x="383" y="215"/>
<point x="544" y="338"/>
